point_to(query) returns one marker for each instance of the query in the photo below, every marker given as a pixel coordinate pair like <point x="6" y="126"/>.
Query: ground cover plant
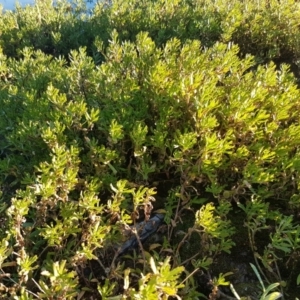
<point x="186" y="109"/>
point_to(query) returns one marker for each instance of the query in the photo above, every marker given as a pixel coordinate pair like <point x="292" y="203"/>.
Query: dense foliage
<point x="104" y="111"/>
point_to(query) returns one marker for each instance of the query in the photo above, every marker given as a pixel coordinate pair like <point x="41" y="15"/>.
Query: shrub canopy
<point x="98" y="109"/>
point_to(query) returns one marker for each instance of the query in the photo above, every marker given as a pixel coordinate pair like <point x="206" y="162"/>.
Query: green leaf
<point x="272" y="296"/>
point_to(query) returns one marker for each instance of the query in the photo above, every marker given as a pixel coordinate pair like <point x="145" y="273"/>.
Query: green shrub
<point x="90" y="124"/>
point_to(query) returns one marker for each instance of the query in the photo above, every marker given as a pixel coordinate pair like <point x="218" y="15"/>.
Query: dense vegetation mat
<point x="177" y="113"/>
